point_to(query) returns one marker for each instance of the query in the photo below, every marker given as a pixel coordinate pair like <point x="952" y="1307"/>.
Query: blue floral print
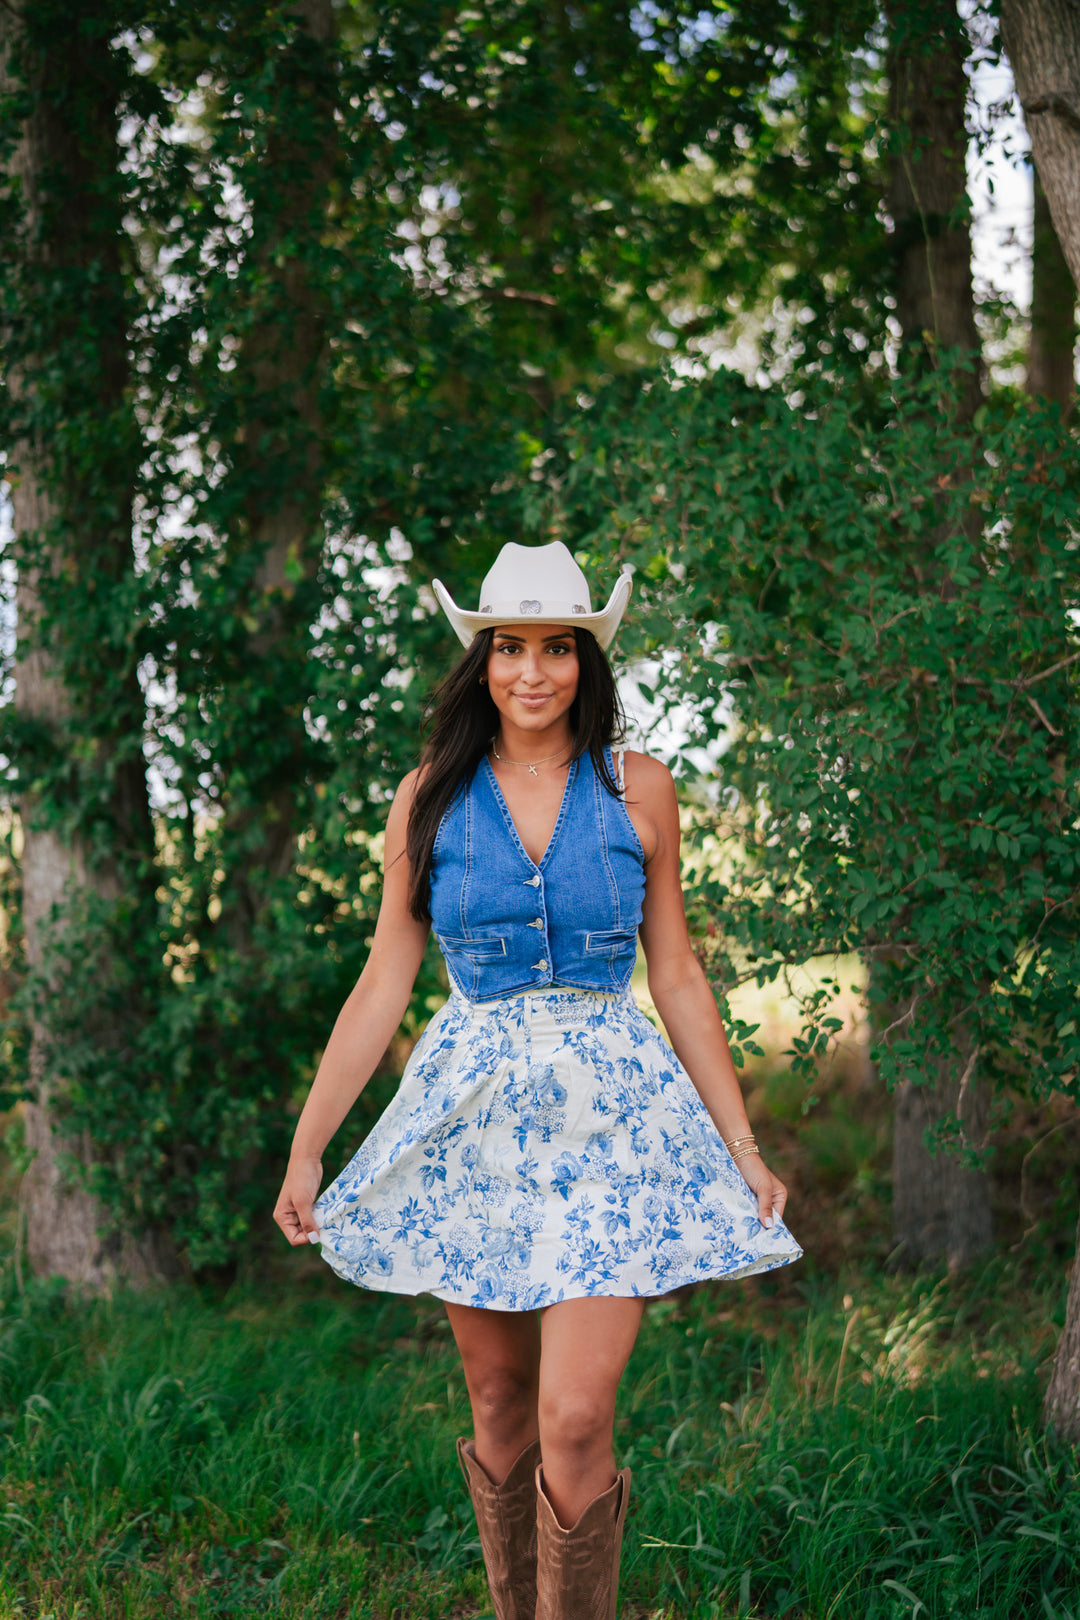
<point x="542" y="1147"/>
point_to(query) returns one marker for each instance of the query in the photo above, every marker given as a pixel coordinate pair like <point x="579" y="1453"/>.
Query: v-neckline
<point x="505" y="808"/>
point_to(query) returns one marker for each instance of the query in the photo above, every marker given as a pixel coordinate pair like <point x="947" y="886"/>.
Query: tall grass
<point x="870" y="1454"/>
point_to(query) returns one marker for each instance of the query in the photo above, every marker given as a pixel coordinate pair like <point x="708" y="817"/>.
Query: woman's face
<point x="532" y="674"/>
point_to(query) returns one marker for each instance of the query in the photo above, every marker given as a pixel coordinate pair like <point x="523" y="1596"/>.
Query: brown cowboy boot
<point x="506" y="1520"/>
<point x="577" y="1570"/>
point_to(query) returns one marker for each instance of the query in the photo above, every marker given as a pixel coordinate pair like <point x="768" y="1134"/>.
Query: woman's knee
<point x="502" y="1396"/>
<point x="500" y="1354"/>
<point x="576" y="1423"/>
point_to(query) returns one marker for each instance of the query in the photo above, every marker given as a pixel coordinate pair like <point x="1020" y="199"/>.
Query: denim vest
<point x="506" y="924"/>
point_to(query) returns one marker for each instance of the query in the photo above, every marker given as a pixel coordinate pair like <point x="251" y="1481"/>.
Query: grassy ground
<point x="863" y="1448"/>
<point x="828" y="1443"/>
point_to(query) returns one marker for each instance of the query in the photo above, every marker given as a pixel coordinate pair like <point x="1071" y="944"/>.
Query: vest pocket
<point x="610" y="942"/>
<point x="490" y="949"/>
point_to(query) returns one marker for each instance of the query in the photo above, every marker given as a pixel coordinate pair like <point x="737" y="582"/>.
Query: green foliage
<point x="868" y="1454"/>
<point x="334" y="306"/>
<point x="288" y="309"/>
<point x="876" y="610"/>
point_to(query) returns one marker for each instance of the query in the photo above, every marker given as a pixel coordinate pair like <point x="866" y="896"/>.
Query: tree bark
<point x="65" y="168"/>
<point x="926" y="194"/>
<point x="1051" y="371"/>
<point x="280" y="463"/>
<point x="1061" y="1411"/>
<point x="1042" y="38"/>
<point x="941" y="1209"/>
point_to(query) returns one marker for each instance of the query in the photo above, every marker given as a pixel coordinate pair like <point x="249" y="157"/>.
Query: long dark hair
<point x="462" y="720"/>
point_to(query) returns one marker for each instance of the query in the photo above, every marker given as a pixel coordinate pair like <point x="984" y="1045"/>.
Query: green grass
<point x="287" y="1451"/>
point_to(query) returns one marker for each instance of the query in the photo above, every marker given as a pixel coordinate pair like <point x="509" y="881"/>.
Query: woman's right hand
<point x="298" y="1192"/>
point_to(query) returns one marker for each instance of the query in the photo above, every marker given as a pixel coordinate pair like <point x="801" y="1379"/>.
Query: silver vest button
<point x="541" y="966"/>
<point x="539" y="923"/>
<point x="534" y="880"/>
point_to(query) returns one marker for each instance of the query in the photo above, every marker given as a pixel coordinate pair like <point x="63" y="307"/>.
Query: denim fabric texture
<point x="506" y="924"/>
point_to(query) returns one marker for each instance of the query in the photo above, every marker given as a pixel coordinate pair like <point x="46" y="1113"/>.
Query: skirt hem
<point x="609" y="1290"/>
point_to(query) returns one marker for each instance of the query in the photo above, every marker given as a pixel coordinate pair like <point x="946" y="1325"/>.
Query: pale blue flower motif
<point x="531" y="1299"/>
<point x="548" y="1089"/>
<point x="565" y="1173"/>
<point x="489" y="1191"/>
<point x="370" y="1258"/>
<point x="496" y="1242"/>
<point x="698" y="1171"/>
<point x="489" y="1287"/>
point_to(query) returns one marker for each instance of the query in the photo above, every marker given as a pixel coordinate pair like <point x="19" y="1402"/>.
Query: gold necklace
<point x="530" y="765"/>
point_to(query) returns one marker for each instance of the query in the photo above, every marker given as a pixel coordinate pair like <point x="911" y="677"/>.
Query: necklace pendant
<point x="533" y="771"/>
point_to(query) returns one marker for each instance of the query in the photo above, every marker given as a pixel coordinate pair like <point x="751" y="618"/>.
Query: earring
<point x="482" y="681"/>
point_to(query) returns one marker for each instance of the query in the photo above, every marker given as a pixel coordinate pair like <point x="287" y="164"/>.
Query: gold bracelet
<point x="737" y="1141"/>
<point x="743" y="1152"/>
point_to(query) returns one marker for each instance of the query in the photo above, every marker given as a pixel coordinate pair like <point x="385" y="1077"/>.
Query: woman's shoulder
<point x="650" y="801"/>
<point x="407" y="789"/>
<point x="404" y="797"/>
<point x="405" y="792"/>
<point x="646" y="775"/>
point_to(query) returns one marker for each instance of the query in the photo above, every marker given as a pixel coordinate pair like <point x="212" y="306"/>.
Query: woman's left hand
<point x="770" y="1192"/>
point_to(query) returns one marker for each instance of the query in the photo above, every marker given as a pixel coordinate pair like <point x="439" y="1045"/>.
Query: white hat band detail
<point x="531" y="607"/>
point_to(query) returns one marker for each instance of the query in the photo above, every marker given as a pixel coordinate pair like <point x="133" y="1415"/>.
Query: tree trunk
<point x="1051" y="372"/>
<point x="68" y="538"/>
<point x="941" y="1209"/>
<point x="280" y="464"/>
<point x="1042" y="38"/>
<point x="940" y="1206"/>
<point x="926" y="194"/>
<point x="64" y="1223"/>
<point x="1061" y="1410"/>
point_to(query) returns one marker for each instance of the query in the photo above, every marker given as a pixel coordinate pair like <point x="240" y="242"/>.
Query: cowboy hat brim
<point x="603" y="624"/>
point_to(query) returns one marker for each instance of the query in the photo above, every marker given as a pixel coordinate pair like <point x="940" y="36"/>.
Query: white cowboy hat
<point x="539" y="585"/>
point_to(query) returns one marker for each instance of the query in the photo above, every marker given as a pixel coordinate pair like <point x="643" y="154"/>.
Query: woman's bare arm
<point x="677" y="984"/>
<point x="363" y="1030"/>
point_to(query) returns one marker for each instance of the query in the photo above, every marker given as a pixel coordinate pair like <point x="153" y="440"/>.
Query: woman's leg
<point x="500" y="1352"/>
<point x="584" y="1347"/>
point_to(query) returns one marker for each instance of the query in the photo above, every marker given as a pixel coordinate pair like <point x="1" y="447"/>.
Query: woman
<point x="548" y="1163"/>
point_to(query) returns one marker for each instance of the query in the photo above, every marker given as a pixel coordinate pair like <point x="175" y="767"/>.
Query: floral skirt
<point x="542" y="1147"/>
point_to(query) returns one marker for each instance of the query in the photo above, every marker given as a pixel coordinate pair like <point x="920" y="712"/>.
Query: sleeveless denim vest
<point x="506" y="924"/>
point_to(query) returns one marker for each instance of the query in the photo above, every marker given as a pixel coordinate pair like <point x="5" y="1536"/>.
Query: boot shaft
<point x="506" y="1522"/>
<point x="577" y="1570"/>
